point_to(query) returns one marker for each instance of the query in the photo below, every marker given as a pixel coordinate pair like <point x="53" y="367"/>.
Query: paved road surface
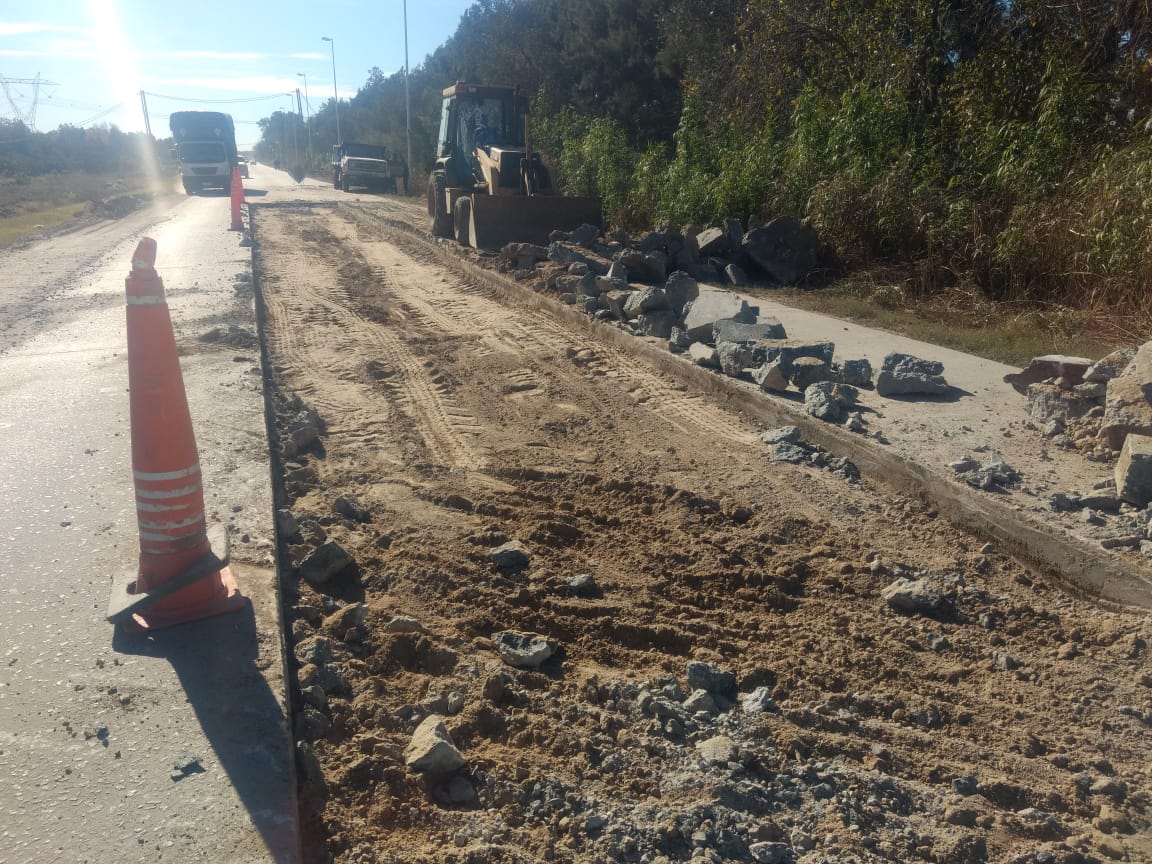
<point x="173" y="747"/>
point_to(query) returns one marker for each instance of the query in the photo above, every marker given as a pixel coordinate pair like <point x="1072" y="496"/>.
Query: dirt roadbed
<point x="738" y="672"/>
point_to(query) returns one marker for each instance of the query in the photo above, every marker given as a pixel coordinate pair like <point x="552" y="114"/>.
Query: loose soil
<point x="1012" y="725"/>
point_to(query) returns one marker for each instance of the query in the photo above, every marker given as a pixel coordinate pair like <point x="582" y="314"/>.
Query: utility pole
<point x="144" y="105"/>
<point x="307" y="117"/>
<point x="335" y="94"/>
<point x="407" y="104"/>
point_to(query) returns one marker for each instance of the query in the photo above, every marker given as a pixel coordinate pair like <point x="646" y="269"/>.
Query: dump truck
<point x="488" y="187"/>
<point x="206" y="148"/>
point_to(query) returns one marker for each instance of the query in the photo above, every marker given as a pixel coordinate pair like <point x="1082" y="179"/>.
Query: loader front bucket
<point x="501" y="219"/>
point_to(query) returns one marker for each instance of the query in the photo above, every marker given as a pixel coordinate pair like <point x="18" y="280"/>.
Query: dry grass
<point x="965" y="320"/>
<point x="32" y="205"/>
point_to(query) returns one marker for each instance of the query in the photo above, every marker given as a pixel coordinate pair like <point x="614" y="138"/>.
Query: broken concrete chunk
<point x="1111" y="366"/>
<point x="1127" y="411"/>
<point x="431" y="750"/>
<point x="681" y="289"/>
<point x="701" y="314"/>
<point x="807" y="371"/>
<point x="704" y="355"/>
<point x="646" y="300"/>
<point x="713" y="679"/>
<point x="1141" y="369"/>
<point x="771" y="376"/>
<point x="916" y="596"/>
<point x="1134" y="471"/>
<point x="584" y="236"/>
<point x="788" y="434"/>
<point x="523" y="650"/>
<point x="856" y="373"/>
<point x="328" y="559"/>
<point x="509" y="556"/>
<point x="903" y="374"/>
<point x="734" y="357"/>
<point x="733" y="330"/>
<point x="649" y="267"/>
<point x="786" y="249"/>
<point x="712" y="241"/>
<point x="656" y="324"/>
<point x="828" y="401"/>
<point x="1071" y="369"/>
<point x="1048" y="402"/>
<point x="787" y="351"/>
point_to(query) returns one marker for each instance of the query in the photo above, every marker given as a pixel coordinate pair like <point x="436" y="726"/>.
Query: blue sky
<point x="102" y="53"/>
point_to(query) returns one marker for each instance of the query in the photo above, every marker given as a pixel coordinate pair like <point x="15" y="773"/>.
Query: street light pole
<point x="335" y="94"/>
<point x="307" y="117"/>
<point x="407" y="104"/>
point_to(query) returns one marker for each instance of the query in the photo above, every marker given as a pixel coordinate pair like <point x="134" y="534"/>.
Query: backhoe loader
<point x="488" y="187"/>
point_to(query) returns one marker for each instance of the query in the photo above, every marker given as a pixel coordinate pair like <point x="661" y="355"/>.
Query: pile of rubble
<point x="628" y="284"/>
<point x="1100" y="408"/>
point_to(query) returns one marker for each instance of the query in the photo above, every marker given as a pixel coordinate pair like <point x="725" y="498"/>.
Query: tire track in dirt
<point x="335" y="335"/>
<point x="455" y="306"/>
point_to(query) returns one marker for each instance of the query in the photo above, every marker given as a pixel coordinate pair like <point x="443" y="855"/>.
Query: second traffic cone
<point x="237" y="199"/>
<point x="177" y="564"/>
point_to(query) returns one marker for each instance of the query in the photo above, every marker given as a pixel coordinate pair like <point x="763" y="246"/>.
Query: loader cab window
<point x="489" y="122"/>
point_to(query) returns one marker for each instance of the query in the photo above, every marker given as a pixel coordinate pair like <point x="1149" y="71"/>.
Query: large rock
<point x="903" y="374"/>
<point x="646" y="300"/>
<point x="857" y="373"/>
<point x="614" y="301"/>
<point x="645" y="266"/>
<point x="431" y="750"/>
<point x="703" y="354"/>
<point x="1110" y="366"/>
<point x="771" y="376"/>
<point x="701" y="314"/>
<point x="1134" y="471"/>
<point x="1047" y="402"/>
<point x="567" y="254"/>
<point x="325" y="562"/>
<point x="786" y="249"/>
<point x="916" y="596"/>
<point x="1127" y="411"/>
<point x="1071" y="369"/>
<point x="734" y="357"/>
<point x="829" y="400"/>
<point x="681" y="289"/>
<point x="523" y="650"/>
<point x="658" y="324"/>
<point x="732" y="330"/>
<point x="807" y="371"/>
<point x="713" y="241"/>
<point x="1141" y="369"/>
<point x="787" y="351"/>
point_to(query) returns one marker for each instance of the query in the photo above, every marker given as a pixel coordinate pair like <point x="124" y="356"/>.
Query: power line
<point x="215" y="101"/>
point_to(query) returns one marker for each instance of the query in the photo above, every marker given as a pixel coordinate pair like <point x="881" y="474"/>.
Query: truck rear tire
<point x="437" y="208"/>
<point x="335" y="179"/>
<point x="345" y="185"/>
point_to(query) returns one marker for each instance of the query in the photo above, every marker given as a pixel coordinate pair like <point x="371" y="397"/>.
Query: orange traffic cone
<point x="179" y="577"/>
<point x="237" y="199"/>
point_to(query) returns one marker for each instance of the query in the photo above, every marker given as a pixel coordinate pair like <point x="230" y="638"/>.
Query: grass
<point x="32" y="205"/>
<point x="965" y="320"/>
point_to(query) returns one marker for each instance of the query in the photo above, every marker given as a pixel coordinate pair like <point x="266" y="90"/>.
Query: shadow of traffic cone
<point x="179" y="578"/>
<point x="237" y="199"/>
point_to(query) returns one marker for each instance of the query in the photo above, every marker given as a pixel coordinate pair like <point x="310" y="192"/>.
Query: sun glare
<point x="117" y="58"/>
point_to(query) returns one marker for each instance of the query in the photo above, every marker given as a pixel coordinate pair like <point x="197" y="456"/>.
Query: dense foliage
<point x="998" y="144"/>
<point x="93" y="150"/>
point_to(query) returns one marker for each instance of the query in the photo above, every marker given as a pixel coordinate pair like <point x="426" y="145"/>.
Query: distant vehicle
<point x="206" y="148"/>
<point x="361" y="165"/>
<point x="243" y="163"/>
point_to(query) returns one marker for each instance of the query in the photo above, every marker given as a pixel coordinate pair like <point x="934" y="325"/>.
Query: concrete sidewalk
<point x="173" y="746"/>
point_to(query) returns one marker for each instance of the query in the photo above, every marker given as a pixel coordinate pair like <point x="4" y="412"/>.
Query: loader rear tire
<point x="437" y="208"/>
<point x="462" y="221"/>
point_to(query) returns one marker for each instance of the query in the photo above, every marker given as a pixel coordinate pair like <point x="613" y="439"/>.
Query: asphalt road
<point x="170" y="747"/>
